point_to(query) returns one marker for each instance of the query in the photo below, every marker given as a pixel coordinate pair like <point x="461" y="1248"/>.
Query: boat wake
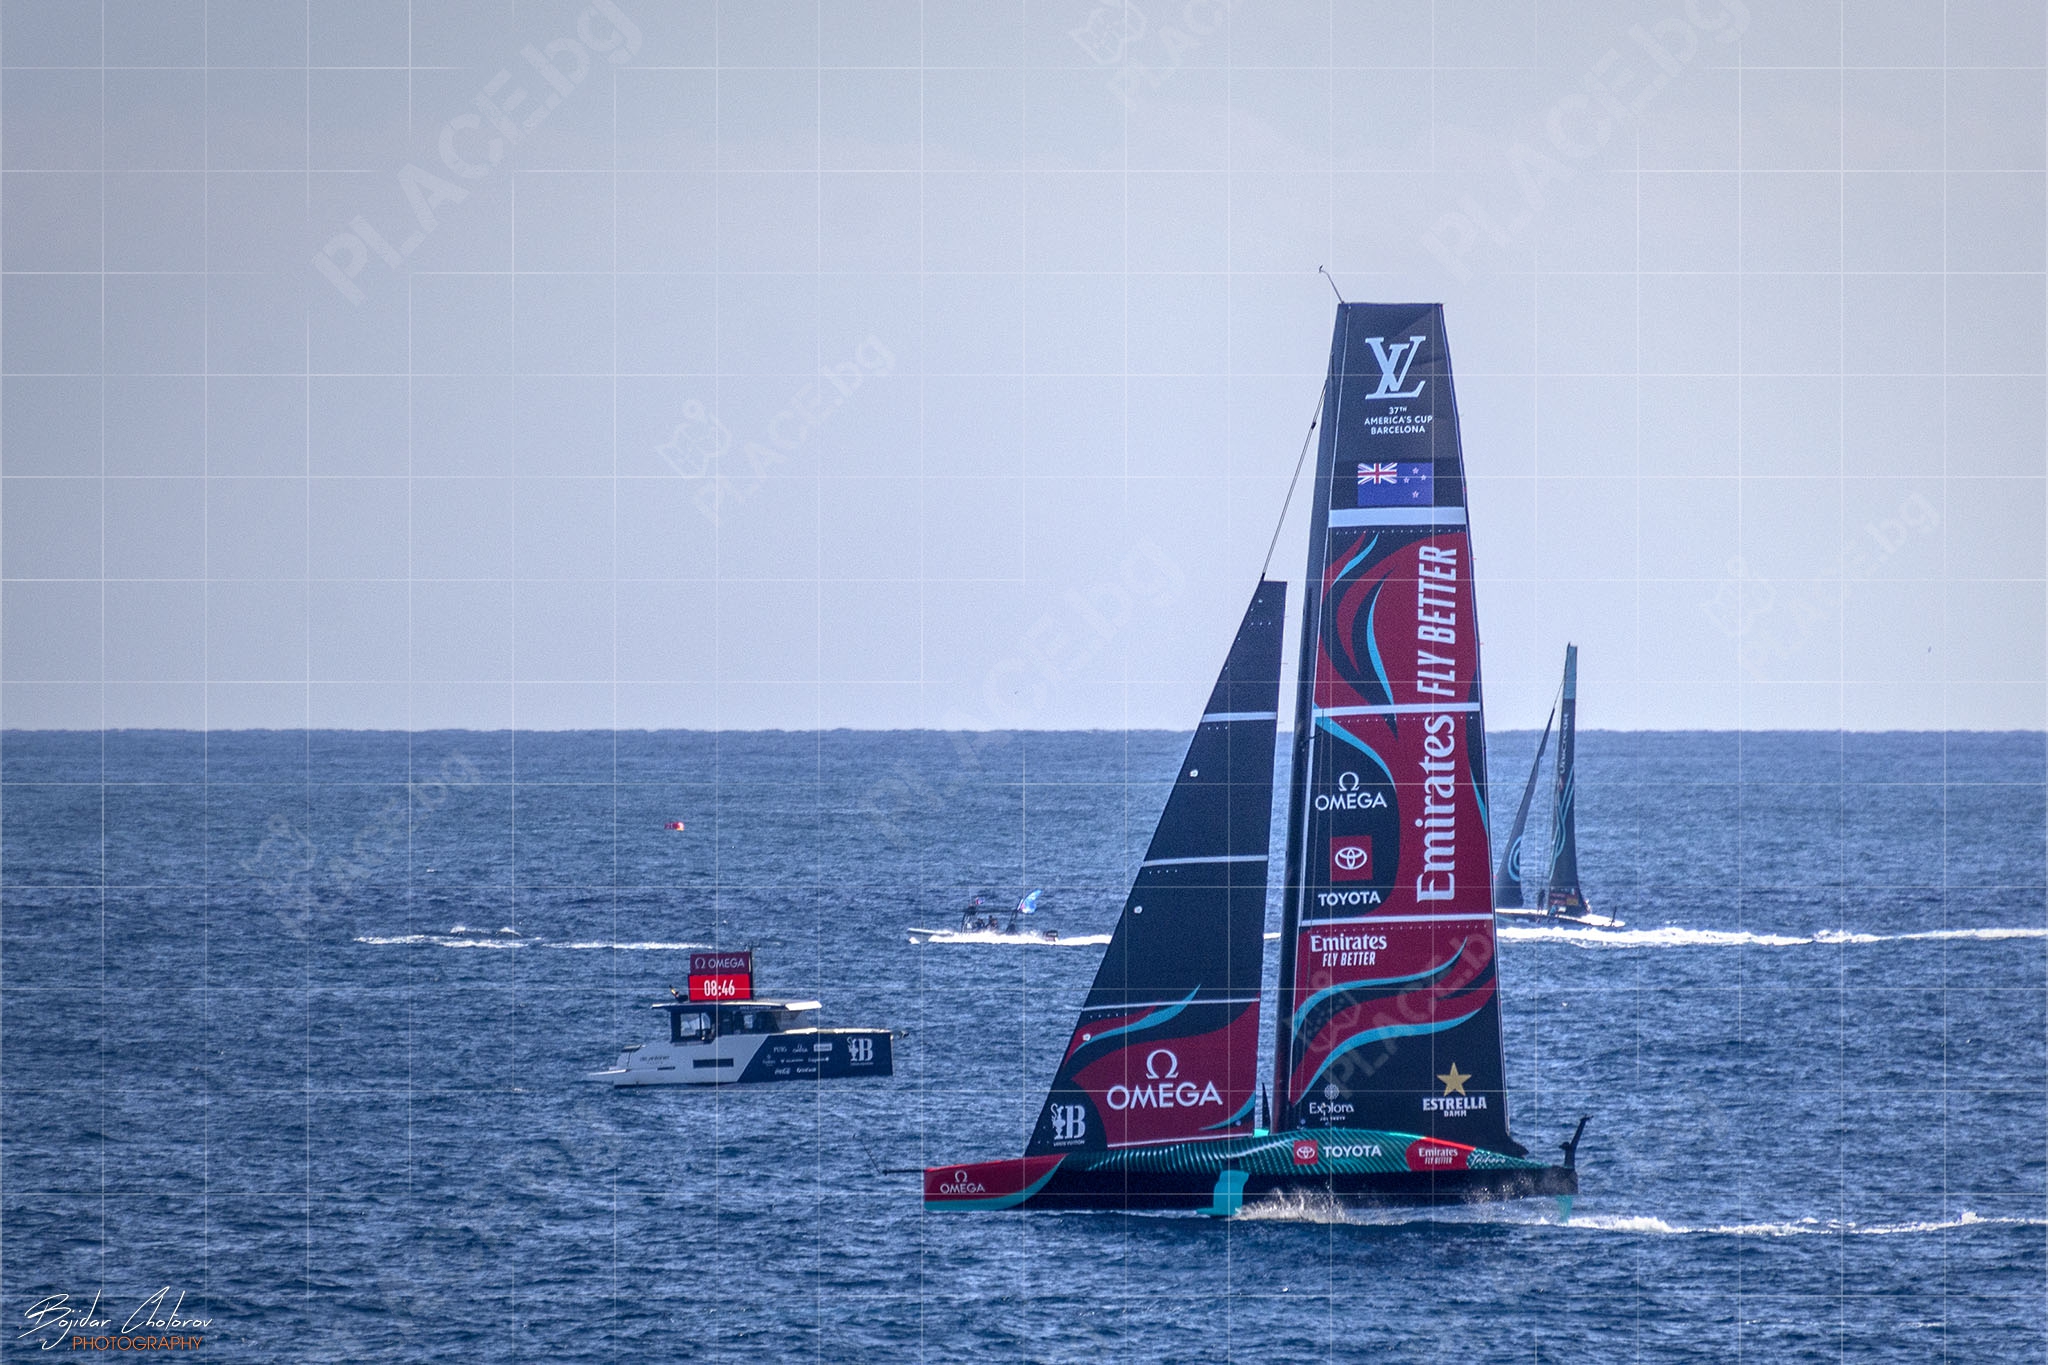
<point x="1675" y="936"/>
<point x="997" y="937"/>
<point x="1804" y="1227"/>
<point x="1299" y="1208"/>
<point x="1321" y="1209"/>
<point x="462" y="936"/>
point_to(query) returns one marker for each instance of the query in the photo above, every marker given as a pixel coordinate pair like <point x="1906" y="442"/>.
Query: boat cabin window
<point x="749" y="1021"/>
<point x="690" y="1027"/>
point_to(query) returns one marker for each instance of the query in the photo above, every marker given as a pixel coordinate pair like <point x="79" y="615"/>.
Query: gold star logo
<point x="1454" y="1080"/>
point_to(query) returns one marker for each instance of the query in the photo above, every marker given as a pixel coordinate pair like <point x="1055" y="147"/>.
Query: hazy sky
<point x="887" y="363"/>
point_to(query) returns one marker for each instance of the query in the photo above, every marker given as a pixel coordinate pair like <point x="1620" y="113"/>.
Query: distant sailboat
<point x="1563" y="897"/>
<point x="1507" y="883"/>
<point x="1388" y="1078"/>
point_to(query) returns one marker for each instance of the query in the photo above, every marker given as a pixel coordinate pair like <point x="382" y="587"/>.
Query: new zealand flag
<point x="1397" y="485"/>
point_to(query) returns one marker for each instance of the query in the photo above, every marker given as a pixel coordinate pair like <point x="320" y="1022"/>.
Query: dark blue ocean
<point x="294" y="1026"/>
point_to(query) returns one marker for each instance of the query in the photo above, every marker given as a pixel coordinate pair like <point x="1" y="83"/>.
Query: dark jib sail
<point x="1166" y="1049"/>
<point x="1563" y="891"/>
<point x="1507" y="883"/>
<point x="1389" y="1017"/>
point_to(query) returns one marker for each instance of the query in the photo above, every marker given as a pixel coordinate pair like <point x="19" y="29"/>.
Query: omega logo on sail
<point x="1166" y="1090"/>
<point x="1349" y="797"/>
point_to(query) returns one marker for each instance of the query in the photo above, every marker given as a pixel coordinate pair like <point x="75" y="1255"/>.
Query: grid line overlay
<point x="999" y="409"/>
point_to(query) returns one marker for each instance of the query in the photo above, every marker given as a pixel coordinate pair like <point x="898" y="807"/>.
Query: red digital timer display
<point x="722" y="986"/>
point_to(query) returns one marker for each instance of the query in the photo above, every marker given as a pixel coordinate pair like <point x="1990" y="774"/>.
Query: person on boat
<point x="970" y="921"/>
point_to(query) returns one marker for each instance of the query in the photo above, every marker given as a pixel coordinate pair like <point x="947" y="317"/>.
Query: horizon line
<point x="6" y="730"/>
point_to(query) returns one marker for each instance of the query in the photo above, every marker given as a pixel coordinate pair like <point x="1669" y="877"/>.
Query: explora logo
<point x="1069" y="1123"/>
<point x="1165" y="1089"/>
<point x="1331" y="1107"/>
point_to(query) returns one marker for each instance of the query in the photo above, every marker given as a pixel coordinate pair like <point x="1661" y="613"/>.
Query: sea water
<point x="295" y="1026"/>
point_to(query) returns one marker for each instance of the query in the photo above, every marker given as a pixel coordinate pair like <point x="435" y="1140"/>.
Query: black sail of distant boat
<point x="1507" y="882"/>
<point x="1166" y="1048"/>
<point x="1389" y="1016"/>
<point x="1562" y="890"/>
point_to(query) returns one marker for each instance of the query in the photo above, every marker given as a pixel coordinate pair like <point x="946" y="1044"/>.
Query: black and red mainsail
<point x="1389" y="1011"/>
<point x="1167" y="1046"/>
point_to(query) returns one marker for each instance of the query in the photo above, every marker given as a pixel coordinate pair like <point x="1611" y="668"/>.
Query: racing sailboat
<point x="1387" y="1079"/>
<point x="1507" y="882"/>
<point x="1563" y="897"/>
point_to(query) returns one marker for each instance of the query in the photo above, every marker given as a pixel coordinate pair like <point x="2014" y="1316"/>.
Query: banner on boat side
<point x="1389" y="971"/>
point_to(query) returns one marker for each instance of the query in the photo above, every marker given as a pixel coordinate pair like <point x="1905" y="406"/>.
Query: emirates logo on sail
<point x="1436" y="614"/>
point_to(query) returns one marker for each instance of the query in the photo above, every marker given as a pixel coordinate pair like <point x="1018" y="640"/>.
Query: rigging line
<point x="1333" y="282"/>
<point x="1313" y="422"/>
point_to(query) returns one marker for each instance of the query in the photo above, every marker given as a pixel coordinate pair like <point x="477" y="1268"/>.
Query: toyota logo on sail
<point x="1351" y="858"/>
